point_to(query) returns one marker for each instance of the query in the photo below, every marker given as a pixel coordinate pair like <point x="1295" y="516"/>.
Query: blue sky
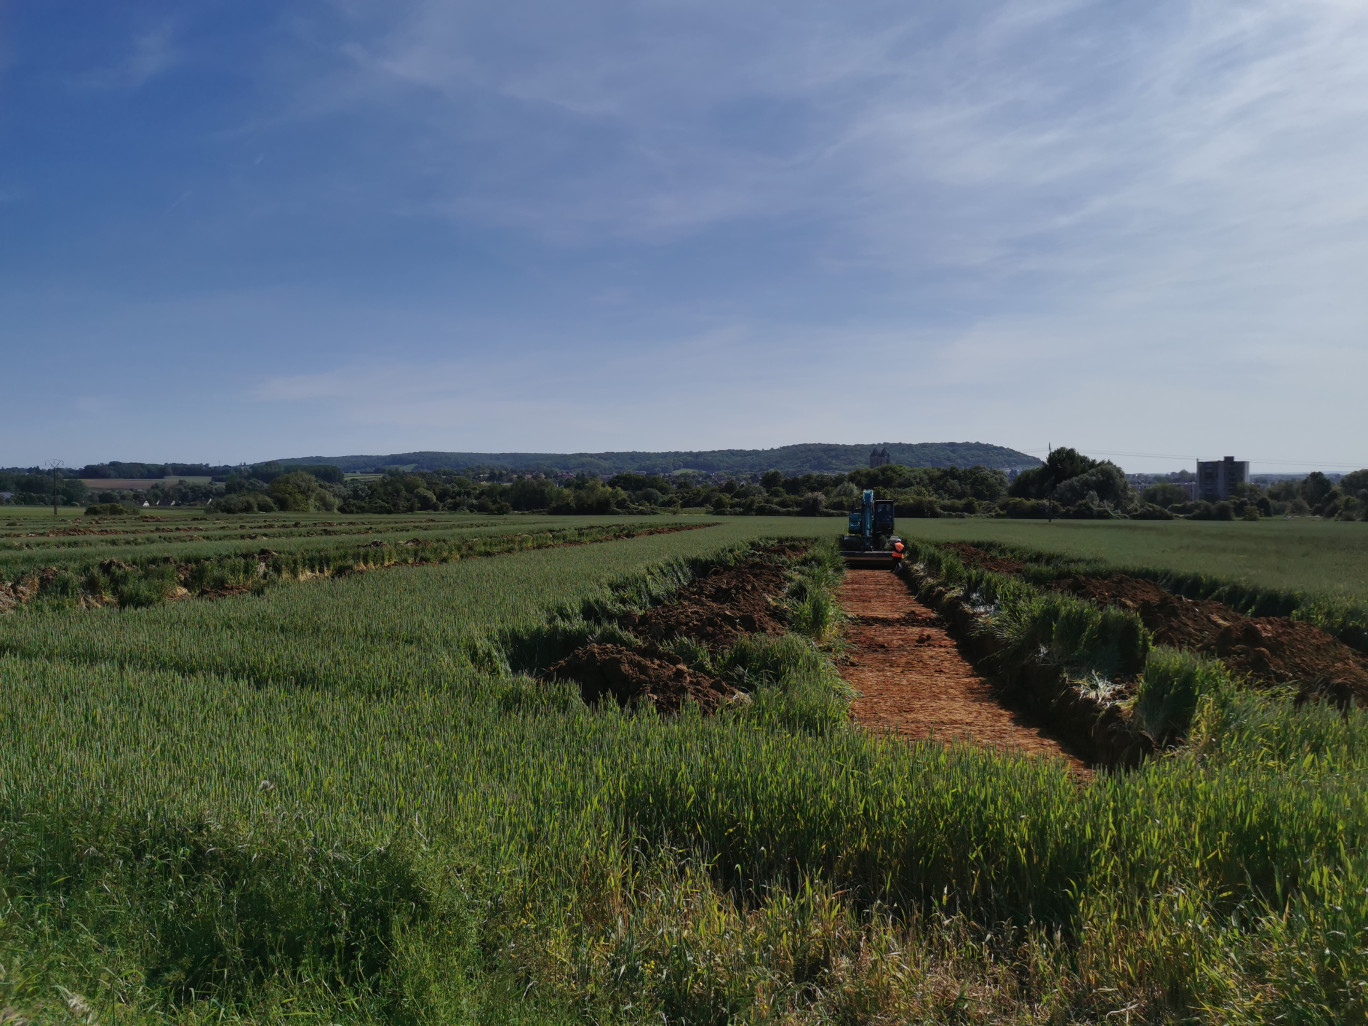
<point x="234" y="230"/>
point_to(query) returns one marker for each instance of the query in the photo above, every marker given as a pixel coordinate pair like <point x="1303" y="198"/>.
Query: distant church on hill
<point x="879" y="457"/>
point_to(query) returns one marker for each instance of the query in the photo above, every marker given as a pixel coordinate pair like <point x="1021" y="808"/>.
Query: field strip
<point x="1268" y="650"/>
<point x="724" y="604"/>
<point x="912" y="679"/>
<point x="241" y="573"/>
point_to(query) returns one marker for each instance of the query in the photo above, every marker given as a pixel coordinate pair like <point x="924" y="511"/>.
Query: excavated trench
<point x="1268" y="650"/>
<point x="913" y="680"/>
<point x="715" y="610"/>
<point x="910" y="675"/>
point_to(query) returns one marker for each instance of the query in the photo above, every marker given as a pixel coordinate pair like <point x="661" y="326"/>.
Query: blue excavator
<point x="869" y="540"/>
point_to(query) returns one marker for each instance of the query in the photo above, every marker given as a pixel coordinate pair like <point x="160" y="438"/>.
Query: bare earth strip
<point x="912" y="679"/>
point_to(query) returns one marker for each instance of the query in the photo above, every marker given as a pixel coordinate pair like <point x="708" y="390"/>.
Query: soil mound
<point x="976" y="557"/>
<point x="720" y="607"/>
<point x="1269" y="648"/>
<point x="715" y="609"/>
<point x="630" y="676"/>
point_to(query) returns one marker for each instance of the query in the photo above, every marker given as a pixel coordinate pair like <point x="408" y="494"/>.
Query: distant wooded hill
<point x="809" y="458"/>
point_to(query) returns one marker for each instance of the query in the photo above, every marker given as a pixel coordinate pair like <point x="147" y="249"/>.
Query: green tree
<point x="1165" y="493"/>
<point x="1105" y="480"/>
<point x="1065" y="463"/>
<point x="1035" y="483"/>
<point x="300" y="492"/>
<point x="883" y="479"/>
<point x="1316" y="488"/>
<point x="596" y="497"/>
<point x="1355" y="484"/>
<point x="532" y="493"/>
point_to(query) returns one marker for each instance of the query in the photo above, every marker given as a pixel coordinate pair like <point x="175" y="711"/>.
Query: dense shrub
<point x="920" y="506"/>
<point x="1105" y="482"/>
<point x="1149" y="511"/>
<point x="300" y="492"/>
<point x="244" y="502"/>
<point x="1166" y="494"/>
<point x="1222" y="510"/>
<point x="1033" y="509"/>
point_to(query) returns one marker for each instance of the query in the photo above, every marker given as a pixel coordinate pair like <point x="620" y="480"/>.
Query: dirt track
<point x="913" y="680"/>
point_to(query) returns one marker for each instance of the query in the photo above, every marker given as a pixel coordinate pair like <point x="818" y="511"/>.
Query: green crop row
<point x="151" y="581"/>
<point x="1344" y="616"/>
<point x="1027" y="622"/>
<point x="1322" y="558"/>
<point x="419" y="626"/>
<point x="185" y="836"/>
<point x="1098" y="647"/>
<point x="407" y="854"/>
<point x="199" y="540"/>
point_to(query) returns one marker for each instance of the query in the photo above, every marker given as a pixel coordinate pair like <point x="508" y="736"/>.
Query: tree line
<point x="1068" y="485"/>
<point x="791" y="460"/>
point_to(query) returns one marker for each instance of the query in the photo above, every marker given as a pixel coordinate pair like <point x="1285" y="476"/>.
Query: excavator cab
<point x="869" y="540"/>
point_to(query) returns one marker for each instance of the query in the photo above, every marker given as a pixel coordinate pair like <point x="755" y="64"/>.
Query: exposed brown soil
<point x="632" y="676"/>
<point x="913" y="680"/>
<point x="719" y="607"/>
<point x="976" y="557"/>
<point x="1268" y="648"/>
<point x="715" y="609"/>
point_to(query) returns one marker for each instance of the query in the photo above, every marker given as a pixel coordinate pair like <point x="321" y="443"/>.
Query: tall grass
<point x="1028" y="623"/>
<point x="519" y="817"/>
<point x="452" y="842"/>
<point x="813" y="609"/>
<point x="150" y="581"/>
<point x="1169" y="691"/>
<point x="1308" y="570"/>
<point x="1315" y="557"/>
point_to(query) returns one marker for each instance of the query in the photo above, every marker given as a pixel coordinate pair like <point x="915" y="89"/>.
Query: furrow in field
<point x="912" y="679"/>
<point x="1266" y="649"/>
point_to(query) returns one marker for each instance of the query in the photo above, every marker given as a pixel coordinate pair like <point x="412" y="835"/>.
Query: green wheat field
<point x="343" y="799"/>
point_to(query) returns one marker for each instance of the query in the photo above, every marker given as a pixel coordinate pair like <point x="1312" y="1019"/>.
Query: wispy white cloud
<point x="1021" y="215"/>
<point x="150" y="54"/>
<point x="998" y="138"/>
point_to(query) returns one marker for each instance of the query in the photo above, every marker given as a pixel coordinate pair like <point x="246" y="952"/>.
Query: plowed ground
<point x="912" y="679"/>
<point x="720" y="607"/>
<point x="716" y="609"/>
<point x="630" y="676"/>
<point x="986" y="560"/>
<point x="1269" y="649"/>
